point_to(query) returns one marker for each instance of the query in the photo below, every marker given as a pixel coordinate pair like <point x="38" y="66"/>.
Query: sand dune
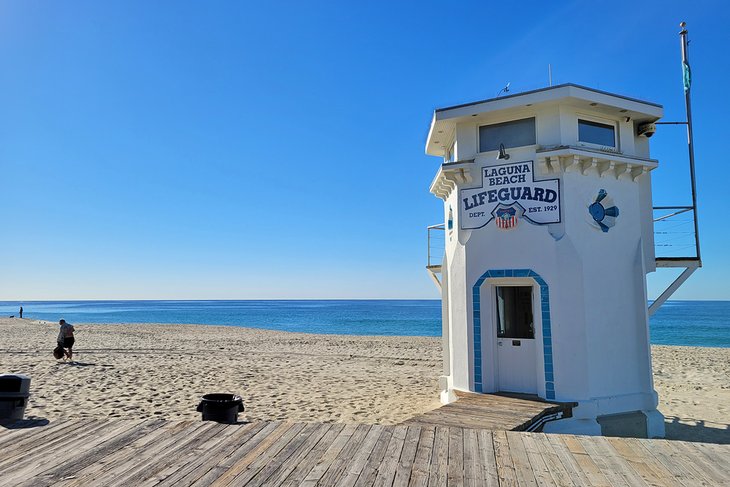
<point x="133" y="371"/>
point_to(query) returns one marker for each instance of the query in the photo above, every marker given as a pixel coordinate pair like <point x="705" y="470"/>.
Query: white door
<point x="516" y="357"/>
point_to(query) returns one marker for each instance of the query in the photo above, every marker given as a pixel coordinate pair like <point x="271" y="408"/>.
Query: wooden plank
<point x="691" y="454"/>
<point x="338" y="467"/>
<point x="329" y="456"/>
<point x="696" y="472"/>
<point x="61" y="446"/>
<point x="716" y="454"/>
<point x="652" y="473"/>
<point x="609" y="463"/>
<point x="29" y="441"/>
<point x="201" y="459"/>
<point x="89" y="452"/>
<point x="455" y="467"/>
<point x="286" y="454"/>
<point x="387" y="469"/>
<point x="437" y="473"/>
<point x="266" y="438"/>
<point x="523" y="469"/>
<point x="260" y="430"/>
<point x="678" y="473"/>
<point x="141" y="458"/>
<point x="585" y="462"/>
<point x="83" y="452"/>
<point x="298" y="456"/>
<point x="561" y="477"/>
<point x="488" y="460"/>
<point x="33" y="463"/>
<point x="540" y="468"/>
<point x="487" y="411"/>
<point x="268" y="456"/>
<point x="472" y="466"/>
<point x="569" y="462"/>
<point x="123" y="456"/>
<point x="407" y="457"/>
<point x="22" y="428"/>
<point x="653" y="467"/>
<point x="505" y="466"/>
<point x="716" y="462"/>
<point x="152" y="464"/>
<point x="296" y="476"/>
<point x="419" y="472"/>
<point x="370" y="471"/>
<point x="361" y="457"/>
<point x="615" y="461"/>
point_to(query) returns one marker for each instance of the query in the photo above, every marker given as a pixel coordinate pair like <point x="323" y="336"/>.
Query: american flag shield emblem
<point x="506" y="218"/>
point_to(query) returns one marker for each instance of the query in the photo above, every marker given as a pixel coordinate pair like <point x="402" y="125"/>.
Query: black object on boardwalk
<point x="222" y="408"/>
<point x="14" y="393"/>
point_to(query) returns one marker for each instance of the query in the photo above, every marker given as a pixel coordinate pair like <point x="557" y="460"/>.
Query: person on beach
<point x="66" y="338"/>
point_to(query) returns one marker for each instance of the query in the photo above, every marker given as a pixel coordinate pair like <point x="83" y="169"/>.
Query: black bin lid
<point x="10" y="383"/>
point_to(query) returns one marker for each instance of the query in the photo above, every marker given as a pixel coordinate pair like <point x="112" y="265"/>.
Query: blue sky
<point x="275" y="149"/>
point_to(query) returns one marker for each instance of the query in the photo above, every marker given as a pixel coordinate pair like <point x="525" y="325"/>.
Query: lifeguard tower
<point x="548" y="238"/>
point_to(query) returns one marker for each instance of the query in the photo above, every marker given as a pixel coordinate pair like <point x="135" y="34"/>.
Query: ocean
<point x="697" y="323"/>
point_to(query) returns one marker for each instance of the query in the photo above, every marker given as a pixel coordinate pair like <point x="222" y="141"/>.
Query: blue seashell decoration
<point x="603" y="211"/>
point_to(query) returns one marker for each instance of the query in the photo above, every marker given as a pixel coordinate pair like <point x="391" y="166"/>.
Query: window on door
<point x="514" y="312"/>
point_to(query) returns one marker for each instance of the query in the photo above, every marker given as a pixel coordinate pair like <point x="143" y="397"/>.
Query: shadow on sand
<point x="80" y="364"/>
<point x="31" y="422"/>
<point x="698" y="431"/>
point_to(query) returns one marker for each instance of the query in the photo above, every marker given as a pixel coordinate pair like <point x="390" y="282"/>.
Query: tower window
<point x="516" y="133"/>
<point x="596" y="133"/>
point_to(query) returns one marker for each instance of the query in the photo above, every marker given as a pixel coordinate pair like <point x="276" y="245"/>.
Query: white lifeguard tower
<point x="548" y="238"/>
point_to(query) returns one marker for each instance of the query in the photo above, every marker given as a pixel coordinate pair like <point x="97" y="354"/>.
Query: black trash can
<point x="222" y="408"/>
<point x="14" y="393"/>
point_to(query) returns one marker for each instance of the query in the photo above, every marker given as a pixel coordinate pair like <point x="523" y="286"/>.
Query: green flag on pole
<point x="686" y="76"/>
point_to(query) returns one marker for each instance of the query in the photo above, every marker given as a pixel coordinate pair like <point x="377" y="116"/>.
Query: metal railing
<point x="436" y="245"/>
<point x="674" y="233"/>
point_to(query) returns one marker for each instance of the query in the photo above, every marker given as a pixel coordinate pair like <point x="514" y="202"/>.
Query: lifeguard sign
<point x="510" y="186"/>
<point x="556" y="308"/>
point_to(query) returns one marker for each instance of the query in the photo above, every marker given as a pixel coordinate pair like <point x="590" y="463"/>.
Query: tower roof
<point x="444" y="120"/>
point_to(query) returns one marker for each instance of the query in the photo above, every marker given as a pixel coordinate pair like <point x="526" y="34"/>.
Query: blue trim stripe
<point x="546" y="325"/>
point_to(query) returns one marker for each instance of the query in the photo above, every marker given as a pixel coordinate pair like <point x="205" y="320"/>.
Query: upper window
<point x="596" y="133"/>
<point x="516" y="133"/>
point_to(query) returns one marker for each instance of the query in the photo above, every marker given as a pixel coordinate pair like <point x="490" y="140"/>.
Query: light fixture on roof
<point x="502" y="153"/>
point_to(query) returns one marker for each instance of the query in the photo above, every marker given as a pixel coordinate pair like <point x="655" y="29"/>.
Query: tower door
<point x="517" y="363"/>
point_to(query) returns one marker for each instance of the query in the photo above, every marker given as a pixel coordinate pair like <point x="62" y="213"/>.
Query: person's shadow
<point x="77" y="364"/>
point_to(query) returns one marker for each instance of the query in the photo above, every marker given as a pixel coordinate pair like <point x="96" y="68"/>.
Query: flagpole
<point x="690" y="141"/>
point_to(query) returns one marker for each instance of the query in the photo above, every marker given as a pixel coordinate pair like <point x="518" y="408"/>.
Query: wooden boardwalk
<point x="491" y="411"/>
<point x="154" y="452"/>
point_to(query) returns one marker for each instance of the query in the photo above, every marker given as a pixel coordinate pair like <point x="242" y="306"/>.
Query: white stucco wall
<point x="596" y="279"/>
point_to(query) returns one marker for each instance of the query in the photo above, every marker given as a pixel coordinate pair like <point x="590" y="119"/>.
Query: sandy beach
<point x="153" y="370"/>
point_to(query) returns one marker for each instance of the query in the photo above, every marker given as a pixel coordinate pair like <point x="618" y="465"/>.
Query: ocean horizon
<point x="688" y="323"/>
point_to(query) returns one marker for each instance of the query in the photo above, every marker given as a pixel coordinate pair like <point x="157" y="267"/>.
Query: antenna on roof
<point x="550" y="75"/>
<point x="503" y="90"/>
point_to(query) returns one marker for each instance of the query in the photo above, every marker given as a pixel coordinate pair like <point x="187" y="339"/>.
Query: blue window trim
<point x="547" y="336"/>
